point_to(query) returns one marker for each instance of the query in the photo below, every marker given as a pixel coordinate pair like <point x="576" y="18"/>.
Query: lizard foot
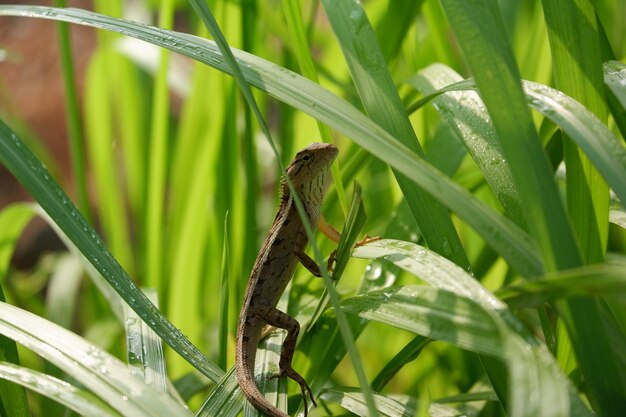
<point x="331" y="261"/>
<point x="333" y="255"/>
<point x="367" y="239"/>
<point x="304" y="387"/>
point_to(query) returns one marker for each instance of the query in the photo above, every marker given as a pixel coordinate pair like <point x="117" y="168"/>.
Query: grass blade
<point x="225" y="399"/>
<point x="111" y="211"/>
<point x="144" y="348"/>
<point x="406" y="355"/>
<point x="598" y="341"/>
<point x="353" y="401"/>
<point x="13" y="220"/>
<point x="577" y="65"/>
<point x="382" y="104"/>
<point x="73" y="398"/>
<point x="600" y="145"/>
<point x="615" y="79"/>
<point x="157" y="165"/>
<point x="466" y="114"/>
<point x="94" y="368"/>
<point x="443" y="315"/>
<point x="606" y="280"/>
<point x="77" y="141"/>
<point x="532" y="370"/>
<point x="479" y="29"/>
<point x="355" y="221"/>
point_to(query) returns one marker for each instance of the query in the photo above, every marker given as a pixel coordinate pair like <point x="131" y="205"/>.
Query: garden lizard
<point x="282" y="250"/>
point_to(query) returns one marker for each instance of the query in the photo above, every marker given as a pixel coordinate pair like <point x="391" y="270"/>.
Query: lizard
<point x="280" y="253"/>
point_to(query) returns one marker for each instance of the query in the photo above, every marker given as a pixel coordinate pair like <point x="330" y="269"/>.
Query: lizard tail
<point x="244" y="370"/>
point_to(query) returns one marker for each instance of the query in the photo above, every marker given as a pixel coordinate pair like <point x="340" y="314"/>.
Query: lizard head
<point x="309" y="173"/>
<point x="311" y="165"/>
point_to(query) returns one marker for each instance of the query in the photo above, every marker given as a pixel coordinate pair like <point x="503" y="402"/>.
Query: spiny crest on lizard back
<point x="309" y="165"/>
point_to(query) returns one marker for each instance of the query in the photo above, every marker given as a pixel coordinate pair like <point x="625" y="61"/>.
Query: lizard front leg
<point x="275" y="317"/>
<point x="308" y="263"/>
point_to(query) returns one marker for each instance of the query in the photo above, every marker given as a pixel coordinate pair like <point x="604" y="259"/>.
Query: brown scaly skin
<point x="282" y="250"/>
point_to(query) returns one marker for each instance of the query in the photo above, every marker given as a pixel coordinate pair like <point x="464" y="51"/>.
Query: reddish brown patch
<point x="32" y="95"/>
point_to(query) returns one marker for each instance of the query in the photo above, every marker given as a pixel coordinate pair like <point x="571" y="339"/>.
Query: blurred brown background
<point x="32" y="102"/>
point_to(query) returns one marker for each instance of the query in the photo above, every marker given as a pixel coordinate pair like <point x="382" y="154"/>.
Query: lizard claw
<point x="333" y="255"/>
<point x="331" y="261"/>
<point x="304" y="387"/>
<point x="367" y="239"/>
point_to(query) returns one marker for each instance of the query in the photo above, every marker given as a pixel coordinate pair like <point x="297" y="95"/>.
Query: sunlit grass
<point x="186" y="186"/>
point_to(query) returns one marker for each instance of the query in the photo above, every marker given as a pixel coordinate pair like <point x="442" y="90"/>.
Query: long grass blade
<point x="111" y="210"/>
<point x="353" y="401"/>
<point x="600" y="145"/>
<point x="577" y="64"/>
<point x="96" y="369"/>
<point x="466" y="114"/>
<point x="225" y="399"/>
<point x="606" y="280"/>
<point x="478" y="27"/>
<point x="73" y="398"/>
<point x="382" y="104"/>
<point x="76" y="139"/>
<point x="157" y="164"/>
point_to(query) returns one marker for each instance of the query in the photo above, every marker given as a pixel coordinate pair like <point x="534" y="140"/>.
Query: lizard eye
<point x="306" y="157"/>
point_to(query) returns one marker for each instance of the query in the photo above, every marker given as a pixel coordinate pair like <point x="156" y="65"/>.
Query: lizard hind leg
<point x="277" y="318"/>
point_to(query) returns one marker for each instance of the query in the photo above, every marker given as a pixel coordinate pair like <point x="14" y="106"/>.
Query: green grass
<point x="498" y="287"/>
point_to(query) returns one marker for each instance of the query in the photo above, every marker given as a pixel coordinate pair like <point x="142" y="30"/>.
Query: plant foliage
<point x="488" y="141"/>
